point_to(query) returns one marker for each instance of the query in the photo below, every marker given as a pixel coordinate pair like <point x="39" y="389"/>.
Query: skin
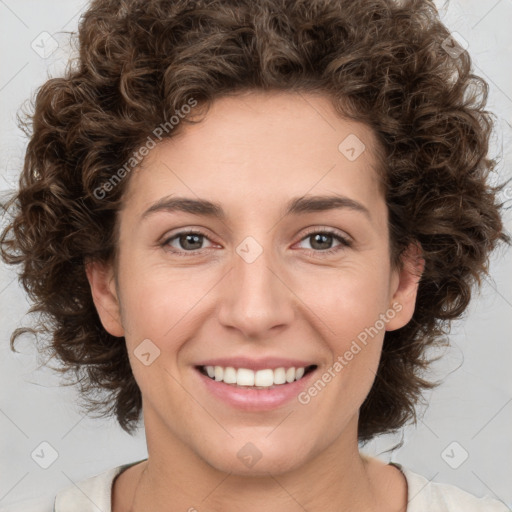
<point x="252" y="153"/>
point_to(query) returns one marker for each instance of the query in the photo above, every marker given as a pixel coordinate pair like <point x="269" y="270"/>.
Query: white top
<point x="95" y="494"/>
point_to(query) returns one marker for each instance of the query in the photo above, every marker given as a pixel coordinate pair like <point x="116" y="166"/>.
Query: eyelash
<point x="344" y="242"/>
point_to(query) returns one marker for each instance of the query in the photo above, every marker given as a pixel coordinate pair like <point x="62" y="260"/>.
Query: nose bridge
<point x="255" y="299"/>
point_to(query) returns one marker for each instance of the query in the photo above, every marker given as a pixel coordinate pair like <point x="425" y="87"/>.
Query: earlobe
<point x="406" y="287"/>
<point x="101" y="280"/>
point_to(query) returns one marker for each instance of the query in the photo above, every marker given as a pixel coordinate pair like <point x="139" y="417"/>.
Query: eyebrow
<point x="296" y="206"/>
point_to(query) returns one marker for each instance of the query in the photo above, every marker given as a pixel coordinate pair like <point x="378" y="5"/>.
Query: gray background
<point x="468" y="416"/>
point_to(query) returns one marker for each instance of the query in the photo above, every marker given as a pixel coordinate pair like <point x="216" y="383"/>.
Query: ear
<point x="405" y="282"/>
<point x="101" y="279"/>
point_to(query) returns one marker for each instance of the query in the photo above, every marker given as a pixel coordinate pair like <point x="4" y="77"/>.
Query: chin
<point x="258" y="457"/>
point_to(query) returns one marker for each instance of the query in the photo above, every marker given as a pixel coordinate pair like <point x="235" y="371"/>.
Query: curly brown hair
<point x="380" y="62"/>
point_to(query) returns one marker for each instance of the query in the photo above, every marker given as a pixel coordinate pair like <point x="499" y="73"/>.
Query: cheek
<point x="348" y="308"/>
<point x="158" y="301"/>
<point x="159" y="309"/>
<point x="346" y="300"/>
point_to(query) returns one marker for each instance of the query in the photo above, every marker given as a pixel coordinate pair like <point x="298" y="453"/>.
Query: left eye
<point x="325" y="238"/>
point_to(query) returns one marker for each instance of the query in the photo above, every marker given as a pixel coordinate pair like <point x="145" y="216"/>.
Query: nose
<point x="256" y="299"/>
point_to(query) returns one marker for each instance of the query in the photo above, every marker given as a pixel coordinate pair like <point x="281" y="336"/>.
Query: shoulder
<point x="89" y="495"/>
<point x="424" y="495"/>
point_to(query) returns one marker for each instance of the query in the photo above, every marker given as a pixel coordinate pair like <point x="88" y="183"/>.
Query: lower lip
<point x="249" y="399"/>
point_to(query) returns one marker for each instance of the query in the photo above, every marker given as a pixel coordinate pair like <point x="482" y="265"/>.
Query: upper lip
<point x="256" y="364"/>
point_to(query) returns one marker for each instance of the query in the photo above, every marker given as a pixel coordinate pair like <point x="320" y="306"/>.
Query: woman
<point x="171" y="183"/>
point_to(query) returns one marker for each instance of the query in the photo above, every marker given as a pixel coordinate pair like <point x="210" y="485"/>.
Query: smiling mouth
<point x="260" y="379"/>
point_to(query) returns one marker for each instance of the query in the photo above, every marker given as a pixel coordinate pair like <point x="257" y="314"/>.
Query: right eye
<point x="188" y="240"/>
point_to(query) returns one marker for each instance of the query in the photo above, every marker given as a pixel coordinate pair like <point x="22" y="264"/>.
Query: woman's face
<point x="254" y="288"/>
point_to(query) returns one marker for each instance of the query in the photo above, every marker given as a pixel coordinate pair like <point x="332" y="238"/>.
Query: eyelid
<point x="331" y="231"/>
<point x="173" y="233"/>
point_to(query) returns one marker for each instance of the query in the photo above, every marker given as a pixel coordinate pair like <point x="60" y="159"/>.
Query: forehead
<point x="257" y="148"/>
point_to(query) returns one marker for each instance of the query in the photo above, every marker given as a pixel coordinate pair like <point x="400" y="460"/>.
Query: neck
<point x="336" y="475"/>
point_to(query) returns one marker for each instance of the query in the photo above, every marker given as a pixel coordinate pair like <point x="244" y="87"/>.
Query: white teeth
<point x="264" y="378"/>
<point x="245" y="377"/>
<point x="219" y="373"/>
<point x="260" y="378"/>
<point x="279" y="376"/>
<point x="290" y="374"/>
<point x="229" y="375"/>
